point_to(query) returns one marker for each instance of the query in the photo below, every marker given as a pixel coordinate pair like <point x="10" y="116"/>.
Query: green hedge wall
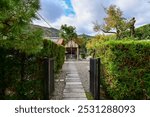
<point x="126" y="68"/>
<point x="52" y="50"/>
<point x="21" y="74"/>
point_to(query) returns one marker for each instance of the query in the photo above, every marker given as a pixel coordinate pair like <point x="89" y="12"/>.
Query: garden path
<point x="73" y="89"/>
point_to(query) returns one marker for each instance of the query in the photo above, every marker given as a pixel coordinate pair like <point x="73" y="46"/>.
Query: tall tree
<point x="132" y="27"/>
<point x="16" y="33"/>
<point x="15" y="19"/>
<point x="68" y="33"/>
<point x="114" y="22"/>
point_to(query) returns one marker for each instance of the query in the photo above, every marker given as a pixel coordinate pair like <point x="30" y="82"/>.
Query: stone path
<point x="74" y="89"/>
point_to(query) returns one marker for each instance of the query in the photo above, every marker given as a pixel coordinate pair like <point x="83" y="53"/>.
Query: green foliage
<point x="68" y="33"/>
<point x="30" y="42"/>
<point x="82" y="41"/>
<point x="15" y="30"/>
<point x="52" y="50"/>
<point x="98" y="40"/>
<point x="18" y="46"/>
<point x="22" y="50"/>
<point x="114" y="22"/>
<point x="126" y="68"/>
<point x="89" y="96"/>
<point x="15" y="15"/>
<point x="114" y="18"/>
<point x="143" y="32"/>
<point x="21" y="74"/>
<point x="19" y="79"/>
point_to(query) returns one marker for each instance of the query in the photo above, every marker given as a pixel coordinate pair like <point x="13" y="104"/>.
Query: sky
<point x="82" y="13"/>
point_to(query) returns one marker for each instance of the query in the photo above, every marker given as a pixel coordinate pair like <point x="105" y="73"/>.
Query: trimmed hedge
<point x="21" y="74"/>
<point x="52" y="50"/>
<point x="126" y="68"/>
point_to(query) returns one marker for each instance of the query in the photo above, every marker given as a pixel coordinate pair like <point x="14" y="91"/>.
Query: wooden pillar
<point x="77" y="53"/>
<point x="65" y="53"/>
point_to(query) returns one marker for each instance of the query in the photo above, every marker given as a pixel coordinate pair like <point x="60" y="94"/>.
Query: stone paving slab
<point x="74" y="89"/>
<point x="79" y="90"/>
<point x="73" y="80"/>
<point x="74" y="86"/>
<point x="72" y="72"/>
<point x="74" y="95"/>
<point x="61" y="80"/>
<point x="74" y="98"/>
<point x="74" y="83"/>
<point x="72" y="76"/>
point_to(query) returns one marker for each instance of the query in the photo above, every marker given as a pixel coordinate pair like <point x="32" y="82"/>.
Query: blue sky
<point x="69" y="10"/>
<point x="82" y="13"/>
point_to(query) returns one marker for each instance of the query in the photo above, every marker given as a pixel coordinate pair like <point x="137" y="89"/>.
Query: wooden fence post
<point x="48" y="78"/>
<point x="95" y="78"/>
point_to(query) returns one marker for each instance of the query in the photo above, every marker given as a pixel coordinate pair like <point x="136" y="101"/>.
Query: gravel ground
<point x="60" y="83"/>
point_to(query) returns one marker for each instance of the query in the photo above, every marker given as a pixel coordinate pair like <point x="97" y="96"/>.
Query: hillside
<point x="53" y="32"/>
<point x="84" y="35"/>
<point x="48" y="32"/>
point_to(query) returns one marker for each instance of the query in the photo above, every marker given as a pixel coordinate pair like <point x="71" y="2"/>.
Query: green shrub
<point x="21" y="74"/>
<point x="52" y="50"/>
<point x="19" y="79"/>
<point x="126" y="68"/>
<point x="143" y="32"/>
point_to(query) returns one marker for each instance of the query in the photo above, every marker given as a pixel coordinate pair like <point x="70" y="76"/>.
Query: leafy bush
<point x="22" y="51"/>
<point x="126" y="68"/>
<point x="21" y="74"/>
<point x="143" y="32"/>
<point x="52" y="50"/>
<point x="97" y="41"/>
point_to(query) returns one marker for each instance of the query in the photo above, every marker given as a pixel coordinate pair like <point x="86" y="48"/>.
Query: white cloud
<point x="135" y="8"/>
<point x="127" y="4"/>
<point x="88" y="11"/>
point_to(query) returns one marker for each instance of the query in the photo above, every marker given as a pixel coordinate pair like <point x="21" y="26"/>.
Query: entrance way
<point x="72" y="50"/>
<point x="71" y="53"/>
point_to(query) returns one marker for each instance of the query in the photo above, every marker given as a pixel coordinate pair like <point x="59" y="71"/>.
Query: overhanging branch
<point x="107" y="31"/>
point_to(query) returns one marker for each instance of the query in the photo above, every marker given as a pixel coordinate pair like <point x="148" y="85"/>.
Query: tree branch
<point x="107" y="31"/>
